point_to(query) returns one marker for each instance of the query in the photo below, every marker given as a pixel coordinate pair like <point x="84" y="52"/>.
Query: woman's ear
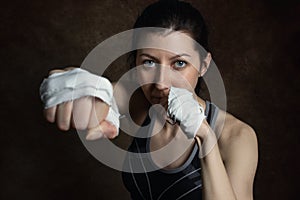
<point x="205" y="64"/>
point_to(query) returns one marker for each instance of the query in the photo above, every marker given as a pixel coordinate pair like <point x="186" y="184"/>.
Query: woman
<point x="209" y="167"/>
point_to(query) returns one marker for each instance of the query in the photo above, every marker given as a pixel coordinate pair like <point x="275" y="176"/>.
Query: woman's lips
<point x="160" y="93"/>
<point x="155" y="100"/>
<point x="159" y="100"/>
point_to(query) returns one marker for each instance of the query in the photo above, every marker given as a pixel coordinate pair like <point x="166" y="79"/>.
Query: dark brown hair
<point x="177" y="15"/>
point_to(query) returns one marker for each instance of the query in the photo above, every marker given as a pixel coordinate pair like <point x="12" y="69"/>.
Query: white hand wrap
<point x="77" y="83"/>
<point x="183" y="108"/>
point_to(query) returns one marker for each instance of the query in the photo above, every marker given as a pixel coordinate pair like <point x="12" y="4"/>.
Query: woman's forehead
<point x="162" y="52"/>
<point x="175" y="42"/>
<point x="169" y="45"/>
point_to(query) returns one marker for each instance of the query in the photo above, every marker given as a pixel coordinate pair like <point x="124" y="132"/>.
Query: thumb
<point x="104" y="130"/>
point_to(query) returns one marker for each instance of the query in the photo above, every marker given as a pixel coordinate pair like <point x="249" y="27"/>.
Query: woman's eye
<point x="149" y="63"/>
<point x="180" y="64"/>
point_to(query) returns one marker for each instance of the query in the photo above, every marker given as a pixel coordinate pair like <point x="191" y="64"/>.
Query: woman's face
<point x="173" y="62"/>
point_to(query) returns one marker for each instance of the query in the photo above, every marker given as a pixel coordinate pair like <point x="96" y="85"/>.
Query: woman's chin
<point x="155" y="100"/>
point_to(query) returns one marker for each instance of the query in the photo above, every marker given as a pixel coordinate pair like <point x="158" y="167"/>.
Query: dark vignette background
<point x="255" y="45"/>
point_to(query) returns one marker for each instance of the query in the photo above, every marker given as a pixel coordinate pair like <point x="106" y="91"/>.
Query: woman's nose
<point x="162" y="77"/>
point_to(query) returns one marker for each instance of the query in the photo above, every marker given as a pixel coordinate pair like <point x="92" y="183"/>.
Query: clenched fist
<point x="75" y="98"/>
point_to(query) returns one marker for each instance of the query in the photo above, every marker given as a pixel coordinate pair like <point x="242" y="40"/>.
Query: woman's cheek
<point x="145" y="76"/>
<point x="184" y="80"/>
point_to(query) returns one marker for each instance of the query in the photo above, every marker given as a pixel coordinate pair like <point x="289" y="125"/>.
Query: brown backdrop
<point x="254" y="43"/>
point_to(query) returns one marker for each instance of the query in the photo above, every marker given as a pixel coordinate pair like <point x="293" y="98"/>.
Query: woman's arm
<point x="233" y="178"/>
<point x="83" y="107"/>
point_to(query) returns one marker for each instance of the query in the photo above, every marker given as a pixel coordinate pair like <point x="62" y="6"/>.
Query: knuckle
<point x="114" y="135"/>
<point x="53" y="71"/>
<point x="80" y="125"/>
<point x="80" y="122"/>
<point x="49" y="117"/>
<point x="61" y="70"/>
<point x="63" y="126"/>
<point x="49" y="114"/>
<point x="69" y="68"/>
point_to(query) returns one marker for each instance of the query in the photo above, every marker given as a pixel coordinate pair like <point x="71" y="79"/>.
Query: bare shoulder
<point x="235" y="136"/>
<point x="239" y="151"/>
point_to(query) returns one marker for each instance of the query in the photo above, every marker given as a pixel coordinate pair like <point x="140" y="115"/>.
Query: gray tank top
<point x="184" y="182"/>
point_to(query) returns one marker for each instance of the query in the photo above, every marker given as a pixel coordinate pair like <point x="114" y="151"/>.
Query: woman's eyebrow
<point x="180" y="55"/>
<point x="154" y="58"/>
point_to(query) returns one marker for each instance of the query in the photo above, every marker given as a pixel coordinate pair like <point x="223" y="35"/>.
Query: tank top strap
<point x="211" y="112"/>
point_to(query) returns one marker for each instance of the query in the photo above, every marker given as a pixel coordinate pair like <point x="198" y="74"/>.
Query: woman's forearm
<point x="216" y="183"/>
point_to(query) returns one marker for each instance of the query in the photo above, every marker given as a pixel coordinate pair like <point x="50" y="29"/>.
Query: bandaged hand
<point x="184" y="109"/>
<point x="82" y="100"/>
